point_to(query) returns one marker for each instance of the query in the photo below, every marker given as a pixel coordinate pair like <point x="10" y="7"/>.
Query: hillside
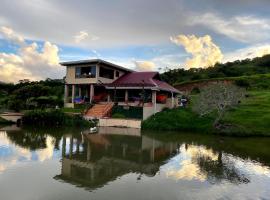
<point x="247" y="67"/>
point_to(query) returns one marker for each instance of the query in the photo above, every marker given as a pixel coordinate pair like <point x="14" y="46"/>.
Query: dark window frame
<point x="105" y="72"/>
<point x="85" y="71"/>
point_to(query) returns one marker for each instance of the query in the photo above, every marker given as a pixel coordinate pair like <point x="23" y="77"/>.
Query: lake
<point x="52" y="164"/>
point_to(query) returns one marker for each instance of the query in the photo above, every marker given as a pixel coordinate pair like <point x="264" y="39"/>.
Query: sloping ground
<point x="99" y="110"/>
<point x="258" y="81"/>
<point x="252" y="116"/>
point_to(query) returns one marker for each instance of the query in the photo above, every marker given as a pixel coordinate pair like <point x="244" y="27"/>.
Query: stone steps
<point x="99" y="110"/>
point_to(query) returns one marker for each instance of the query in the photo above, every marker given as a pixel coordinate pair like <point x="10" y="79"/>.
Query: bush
<point x="242" y="83"/>
<point x="5" y="122"/>
<point x="118" y="115"/>
<point x="179" y="120"/>
<point x="130" y="112"/>
<point x="52" y="118"/>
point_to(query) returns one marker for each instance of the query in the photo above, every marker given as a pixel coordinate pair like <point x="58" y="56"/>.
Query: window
<point x="117" y="74"/>
<point x="85" y="72"/>
<point x="106" y="73"/>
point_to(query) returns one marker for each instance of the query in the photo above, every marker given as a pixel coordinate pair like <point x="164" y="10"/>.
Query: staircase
<point x="99" y="111"/>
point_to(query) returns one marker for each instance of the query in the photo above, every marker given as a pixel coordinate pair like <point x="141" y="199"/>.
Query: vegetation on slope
<point x="250" y="118"/>
<point x="247" y="67"/>
<point x="179" y="119"/>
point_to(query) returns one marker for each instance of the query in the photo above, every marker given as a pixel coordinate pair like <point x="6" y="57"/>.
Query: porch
<point x="128" y="101"/>
<point x="83" y="94"/>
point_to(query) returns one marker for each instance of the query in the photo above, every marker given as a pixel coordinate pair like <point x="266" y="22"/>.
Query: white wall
<point x="149" y="111"/>
<point x="130" y="123"/>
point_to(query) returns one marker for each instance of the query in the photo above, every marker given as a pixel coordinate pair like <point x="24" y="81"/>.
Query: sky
<point x="144" y="35"/>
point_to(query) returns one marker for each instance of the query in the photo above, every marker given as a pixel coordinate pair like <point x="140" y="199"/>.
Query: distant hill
<point x="247" y="67"/>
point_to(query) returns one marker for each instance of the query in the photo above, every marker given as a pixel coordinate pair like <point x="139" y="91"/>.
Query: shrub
<point x="118" y="115"/>
<point x="52" y="118"/>
<point x="242" y="83"/>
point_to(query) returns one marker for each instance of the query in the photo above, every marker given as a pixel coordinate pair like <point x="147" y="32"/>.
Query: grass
<point x="180" y="119"/>
<point x="250" y="118"/>
<point x="258" y="81"/>
<point x="73" y="110"/>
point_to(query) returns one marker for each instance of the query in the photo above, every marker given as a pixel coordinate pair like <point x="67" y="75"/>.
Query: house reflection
<point x="99" y="158"/>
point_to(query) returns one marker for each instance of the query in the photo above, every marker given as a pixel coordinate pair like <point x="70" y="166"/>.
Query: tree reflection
<point x="28" y="140"/>
<point x="220" y="169"/>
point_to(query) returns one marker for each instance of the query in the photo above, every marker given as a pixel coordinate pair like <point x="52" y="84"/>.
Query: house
<point x="103" y="159"/>
<point x="100" y="82"/>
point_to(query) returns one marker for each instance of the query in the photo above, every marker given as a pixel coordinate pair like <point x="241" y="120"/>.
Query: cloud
<point x="247" y="29"/>
<point x="204" y="52"/>
<point x="18" y="153"/>
<point x="124" y="22"/>
<point x="248" y="52"/>
<point x="11" y="35"/>
<point x="83" y="35"/>
<point x="144" y="65"/>
<point x="29" y="62"/>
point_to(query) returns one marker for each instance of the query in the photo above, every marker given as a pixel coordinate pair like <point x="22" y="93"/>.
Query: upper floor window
<point x="106" y="73"/>
<point x="117" y="74"/>
<point x="85" y="72"/>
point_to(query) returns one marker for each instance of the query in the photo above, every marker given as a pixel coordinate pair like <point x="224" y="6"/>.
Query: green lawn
<point x="251" y="117"/>
<point x="73" y="110"/>
<point x="253" y="114"/>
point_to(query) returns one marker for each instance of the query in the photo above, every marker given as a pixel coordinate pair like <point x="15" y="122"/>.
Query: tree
<point x="218" y="97"/>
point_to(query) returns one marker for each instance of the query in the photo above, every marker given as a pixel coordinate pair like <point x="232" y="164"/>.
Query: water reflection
<point x="96" y="161"/>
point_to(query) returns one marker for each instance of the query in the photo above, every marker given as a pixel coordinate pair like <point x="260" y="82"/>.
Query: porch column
<point x="172" y="100"/>
<point x="73" y="93"/>
<point x="80" y="91"/>
<point x="126" y="96"/>
<point x="64" y="146"/>
<point x="66" y="94"/>
<point x="154" y="100"/>
<point x="70" y="146"/>
<point x="91" y="92"/>
<point x="109" y="98"/>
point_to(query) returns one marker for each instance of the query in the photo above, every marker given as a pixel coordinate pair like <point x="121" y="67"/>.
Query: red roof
<point x="146" y="79"/>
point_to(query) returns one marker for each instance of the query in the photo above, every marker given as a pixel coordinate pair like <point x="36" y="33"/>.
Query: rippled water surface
<point x="125" y="164"/>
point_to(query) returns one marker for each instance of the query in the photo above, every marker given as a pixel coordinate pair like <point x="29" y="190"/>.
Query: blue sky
<point x="35" y="35"/>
